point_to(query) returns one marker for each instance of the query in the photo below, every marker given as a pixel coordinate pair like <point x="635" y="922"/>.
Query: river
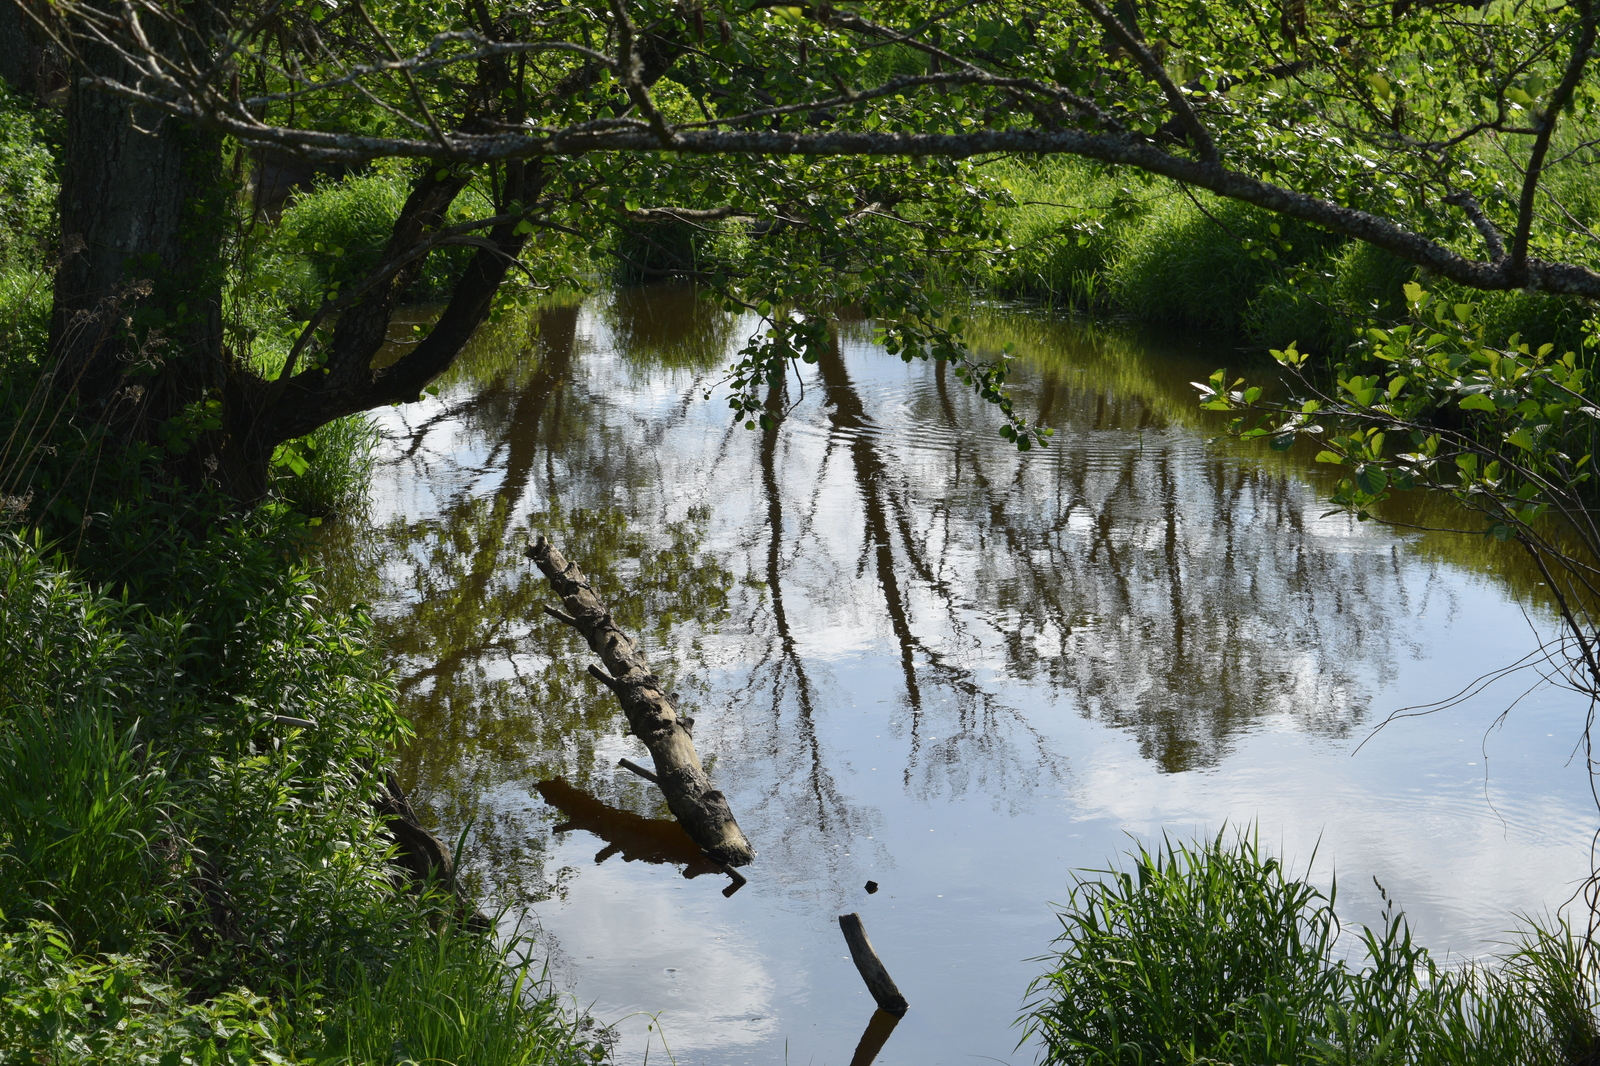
<point x="919" y="658"/>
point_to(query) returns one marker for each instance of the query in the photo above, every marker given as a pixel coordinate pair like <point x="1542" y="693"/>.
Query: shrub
<point x="337" y="233"/>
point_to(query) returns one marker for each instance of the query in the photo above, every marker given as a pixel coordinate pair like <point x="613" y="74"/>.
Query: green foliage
<point x="83" y="810"/>
<point x="27" y="178"/>
<point x="68" y="1009"/>
<point x="1215" y="953"/>
<point x="1174" y="961"/>
<point x="1508" y="430"/>
<point x="336" y="233"/>
<point x="162" y="797"/>
<point x="327" y="471"/>
<point x="27" y="209"/>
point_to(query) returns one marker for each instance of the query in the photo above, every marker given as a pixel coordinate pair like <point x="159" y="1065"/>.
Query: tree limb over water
<point x="1369" y="121"/>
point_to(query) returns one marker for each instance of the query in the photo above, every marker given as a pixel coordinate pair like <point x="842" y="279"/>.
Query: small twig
<point x="560" y="615"/>
<point x="294" y="723"/>
<point x="604" y="678"/>
<point x="739" y="880"/>
<point x="629" y="764"/>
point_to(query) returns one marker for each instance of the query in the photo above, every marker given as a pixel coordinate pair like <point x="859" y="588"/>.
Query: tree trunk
<point x="136" y="327"/>
<point x="701" y="809"/>
<point x="136" y="334"/>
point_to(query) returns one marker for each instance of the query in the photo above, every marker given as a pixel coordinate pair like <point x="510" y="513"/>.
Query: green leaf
<point x="1371" y="478"/>
<point x="1477" y="402"/>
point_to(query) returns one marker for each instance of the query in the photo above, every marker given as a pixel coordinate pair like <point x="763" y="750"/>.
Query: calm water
<point x="918" y="658"/>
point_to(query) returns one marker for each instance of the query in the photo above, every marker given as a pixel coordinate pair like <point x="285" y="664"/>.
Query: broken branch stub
<point x="700" y="809"/>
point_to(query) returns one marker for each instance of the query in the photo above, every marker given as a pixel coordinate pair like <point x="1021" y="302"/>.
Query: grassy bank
<point x="1215" y="953"/>
<point x="190" y="871"/>
<point x="1092" y="239"/>
<point x="192" y="737"/>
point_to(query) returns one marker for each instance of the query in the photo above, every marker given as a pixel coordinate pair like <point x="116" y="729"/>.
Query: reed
<point x="1213" y="952"/>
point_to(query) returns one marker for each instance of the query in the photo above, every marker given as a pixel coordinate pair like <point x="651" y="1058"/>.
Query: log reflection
<point x="634" y="837"/>
<point x="879" y="1028"/>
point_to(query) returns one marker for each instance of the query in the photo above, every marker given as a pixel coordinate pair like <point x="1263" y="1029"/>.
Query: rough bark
<point x="140" y="199"/>
<point x="700" y="809"/>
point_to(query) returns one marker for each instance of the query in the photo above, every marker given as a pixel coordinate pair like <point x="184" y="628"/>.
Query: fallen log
<point x="700" y="809"/>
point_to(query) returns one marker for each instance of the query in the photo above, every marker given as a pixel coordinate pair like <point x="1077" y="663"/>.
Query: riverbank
<point x="1095" y="240"/>
<point x="194" y="743"/>
<point x="194" y="870"/>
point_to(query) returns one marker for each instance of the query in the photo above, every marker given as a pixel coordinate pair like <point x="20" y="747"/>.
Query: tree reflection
<point x="1130" y="573"/>
<point x="497" y="691"/>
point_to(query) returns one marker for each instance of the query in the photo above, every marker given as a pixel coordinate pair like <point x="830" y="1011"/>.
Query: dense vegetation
<point x="189" y="723"/>
<point x="1213" y="952"/>
<point x="191" y="738"/>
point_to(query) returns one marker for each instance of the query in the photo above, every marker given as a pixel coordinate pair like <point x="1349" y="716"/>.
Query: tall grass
<point x="329" y="470"/>
<point x="82" y="808"/>
<point x="455" y="997"/>
<point x="1214" y="953"/>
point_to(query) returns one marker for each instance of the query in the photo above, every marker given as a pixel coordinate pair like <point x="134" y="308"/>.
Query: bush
<point x="1090" y="238"/>
<point x="1214" y="953"/>
<point x="188" y="867"/>
<point x="337" y="232"/>
<point x="329" y="470"/>
<point x="27" y="207"/>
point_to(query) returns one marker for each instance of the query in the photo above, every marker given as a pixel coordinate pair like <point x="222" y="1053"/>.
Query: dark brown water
<point x="918" y="658"/>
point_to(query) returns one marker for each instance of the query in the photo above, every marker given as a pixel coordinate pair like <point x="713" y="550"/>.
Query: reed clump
<point x="1214" y="953"/>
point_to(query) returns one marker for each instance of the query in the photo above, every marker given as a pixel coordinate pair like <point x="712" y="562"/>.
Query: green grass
<point x="1215" y="953"/>
<point x="174" y="856"/>
<point x="1090" y="238"/>
<point x="458" y="998"/>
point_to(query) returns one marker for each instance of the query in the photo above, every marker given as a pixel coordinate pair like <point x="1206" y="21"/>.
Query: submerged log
<point x="425" y="860"/>
<point x="873" y="972"/>
<point x="700" y="809"/>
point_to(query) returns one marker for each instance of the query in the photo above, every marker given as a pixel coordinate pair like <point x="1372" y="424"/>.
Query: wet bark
<point x="702" y="810"/>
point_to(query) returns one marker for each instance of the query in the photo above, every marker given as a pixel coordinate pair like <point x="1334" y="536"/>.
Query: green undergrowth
<point x="190" y="866"/>
<point x="1094" y="239"/>
<point x="1215" y="953"/>
<point x="27" y="206"/>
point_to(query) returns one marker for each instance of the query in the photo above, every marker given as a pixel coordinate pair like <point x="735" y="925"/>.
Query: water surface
<point x="919" y="658"/>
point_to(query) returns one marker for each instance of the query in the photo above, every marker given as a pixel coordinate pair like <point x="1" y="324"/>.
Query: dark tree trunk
<point x="29" y="62"/>
<point x="136" y="328"/>
<point x="137" y="337"/>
